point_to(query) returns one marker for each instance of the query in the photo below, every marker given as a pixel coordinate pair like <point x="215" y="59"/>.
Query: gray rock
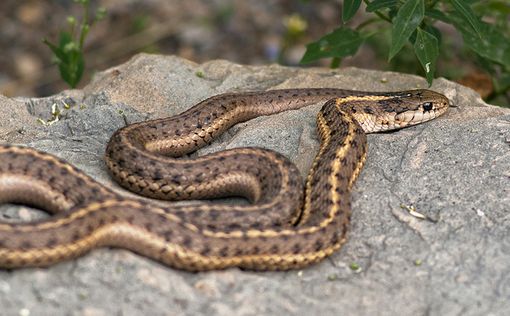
<point x="453" y="170"/>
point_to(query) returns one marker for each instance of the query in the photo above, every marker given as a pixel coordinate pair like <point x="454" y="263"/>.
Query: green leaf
<point x="381" y="4"/>
<point x="438" y="15"/>
<point x="426" y="49"/>
<point x="502" y="84"/>
<point x="408" y="18"/>
<point x="339" y="43"/>
<point x="349" y="9"/>
<point x="465" y="11"/>
<point x="501" y="6"/>
<point x="55" y="49"/>
<point x="80" y="69"/>
<point x="434" y="31"/>
<point x="66" y="74"/>
<point x="65" y="41"/>
<point x="70" y="58"/>
<point x="492" y="45"/>
<point x="73" y="71"/>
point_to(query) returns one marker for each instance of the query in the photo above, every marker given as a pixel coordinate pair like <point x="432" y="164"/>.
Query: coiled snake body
<point x="282" y="228"/>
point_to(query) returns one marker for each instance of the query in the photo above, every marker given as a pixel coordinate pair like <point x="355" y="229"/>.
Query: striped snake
<point x="283" y="227"/>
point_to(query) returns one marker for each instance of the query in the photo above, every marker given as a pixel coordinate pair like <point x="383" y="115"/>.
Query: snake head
<point x="393" y="110"/>
<point x="418" y="106"/>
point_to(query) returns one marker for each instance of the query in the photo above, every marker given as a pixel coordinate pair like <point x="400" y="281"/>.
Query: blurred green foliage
<point x="68" y="52"/>
<point x="483" y="26"/>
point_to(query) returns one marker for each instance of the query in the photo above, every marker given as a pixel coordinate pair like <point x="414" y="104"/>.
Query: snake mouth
<point x="415" y="117"/>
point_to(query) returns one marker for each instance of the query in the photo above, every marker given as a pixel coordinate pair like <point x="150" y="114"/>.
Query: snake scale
<point x="284" y="226"/>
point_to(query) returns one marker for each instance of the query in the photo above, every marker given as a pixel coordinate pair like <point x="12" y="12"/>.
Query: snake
<point x="287" y="223"/>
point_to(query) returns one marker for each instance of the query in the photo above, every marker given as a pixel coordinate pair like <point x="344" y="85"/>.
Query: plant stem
<point x="366" y="23"/>
<point x="379" y="14"/>
<point x="84" y="22"/>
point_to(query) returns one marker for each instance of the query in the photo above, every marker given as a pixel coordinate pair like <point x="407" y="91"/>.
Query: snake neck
<point x="340" y="159"/>
<point x="185" y="133"/>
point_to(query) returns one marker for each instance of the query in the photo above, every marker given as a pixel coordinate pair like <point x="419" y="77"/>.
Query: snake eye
<point x="427" y="106"/>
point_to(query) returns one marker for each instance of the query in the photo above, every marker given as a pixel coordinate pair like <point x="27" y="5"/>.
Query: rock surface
<point x="453" y="170"/>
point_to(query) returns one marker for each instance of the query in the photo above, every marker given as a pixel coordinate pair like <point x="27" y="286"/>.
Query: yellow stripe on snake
<point x="283" y="227"/>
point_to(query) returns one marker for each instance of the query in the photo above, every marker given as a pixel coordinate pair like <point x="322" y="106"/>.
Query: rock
<point x="453" y="170"/>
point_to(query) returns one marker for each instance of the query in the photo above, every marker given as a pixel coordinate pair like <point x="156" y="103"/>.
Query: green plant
<point x="483" y="25"/>
<point x="68" y="52"/>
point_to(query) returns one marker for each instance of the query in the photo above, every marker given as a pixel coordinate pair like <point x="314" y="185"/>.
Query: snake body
<point x="283" y="227"/>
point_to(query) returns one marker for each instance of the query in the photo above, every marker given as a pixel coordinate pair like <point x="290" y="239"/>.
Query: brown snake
<point x="282" y="228"/>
